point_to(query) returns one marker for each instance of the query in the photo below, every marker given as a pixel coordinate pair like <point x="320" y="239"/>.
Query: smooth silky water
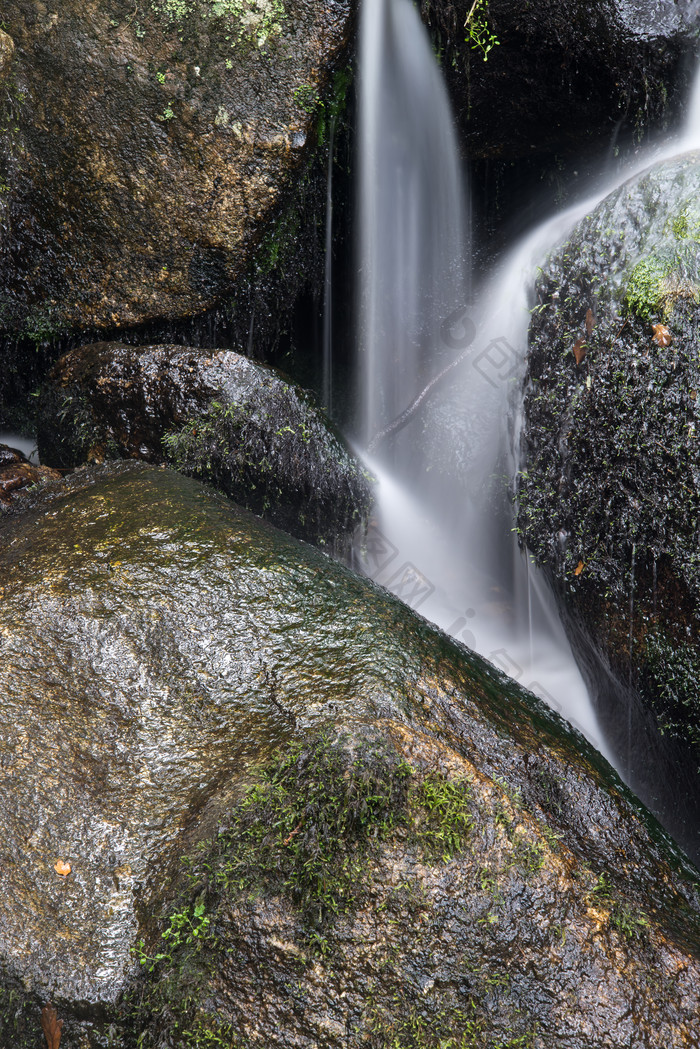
<point x="25" y="445"/>
<point x="443" y="536"/>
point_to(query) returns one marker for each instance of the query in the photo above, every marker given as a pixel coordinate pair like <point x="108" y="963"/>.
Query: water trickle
<point x="25" y="445"/>
<point x="443" y="540"/>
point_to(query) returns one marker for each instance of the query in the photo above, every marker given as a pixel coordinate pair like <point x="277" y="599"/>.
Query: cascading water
<point x="443" y="538"/>
<point x="411" y="212"/>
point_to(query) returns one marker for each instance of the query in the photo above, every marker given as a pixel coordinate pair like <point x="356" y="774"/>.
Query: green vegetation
<point x="446" y="1029"/>
<point x="633" y="924"/>
<point x="646" y="289"/>
<point x="255" y="21"/>
<point x="304" y="830"/>
<point x="480" y="36"/>
<point x="310" y="830"/>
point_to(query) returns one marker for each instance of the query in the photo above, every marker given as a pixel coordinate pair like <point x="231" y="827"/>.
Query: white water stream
<point x="442" y="539"/>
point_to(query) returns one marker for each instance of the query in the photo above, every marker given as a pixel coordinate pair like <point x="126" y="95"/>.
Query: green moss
<point x="646" y="288"/>
<point x="310" y="830"/>
<point x="305" y="828"/>
<point x="445" y="1029"/>
<point x="255" y="21"/>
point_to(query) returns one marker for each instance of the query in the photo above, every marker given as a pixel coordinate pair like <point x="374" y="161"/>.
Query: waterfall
<point x="443" y="537"/>
<point x="411" y="208"/>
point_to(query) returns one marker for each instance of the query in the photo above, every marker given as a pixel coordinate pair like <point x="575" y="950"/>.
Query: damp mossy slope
<point x="400" y="844"/>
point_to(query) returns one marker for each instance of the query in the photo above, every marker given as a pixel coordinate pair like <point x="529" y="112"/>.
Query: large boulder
<point x="610" y="489"/>
<point x="432" y="854"/>
<point x="564" y="74"/>
<point x="216" y="415"/>
<point x="147" y="146"/>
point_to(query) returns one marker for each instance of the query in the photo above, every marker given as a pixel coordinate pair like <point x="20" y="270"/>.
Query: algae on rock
<point x="390" y="842"/>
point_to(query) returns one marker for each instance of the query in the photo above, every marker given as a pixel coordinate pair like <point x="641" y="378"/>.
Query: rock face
<point x="146" y="145"/>
<point x="18" y="474"/>
<point x="610" y="493"/>
<point x="564" y="73"/>
<point x="214" y="414"/>
<point x="431" y="854"/>
<point x="7" y="50"/>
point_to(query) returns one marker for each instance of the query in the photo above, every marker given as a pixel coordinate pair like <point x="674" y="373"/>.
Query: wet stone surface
<point x="149" y="146"/>
<point x="566" y="75"/>
<point x="214" y="414"/>
<point x="430" y="835"/>
<point x="609" y="495"/>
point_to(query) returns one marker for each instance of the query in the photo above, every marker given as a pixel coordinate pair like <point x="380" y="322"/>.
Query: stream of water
<point x="443" y="537"/>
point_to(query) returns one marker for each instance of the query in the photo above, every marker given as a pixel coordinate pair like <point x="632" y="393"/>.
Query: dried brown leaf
<point x="590" y="322"/>
<point x="62" y="868"/>
<point x="579" y="568"/>
<point x="662" y="335"/>
<point x="580" y="350"/>
<point x="51" y="1026"/>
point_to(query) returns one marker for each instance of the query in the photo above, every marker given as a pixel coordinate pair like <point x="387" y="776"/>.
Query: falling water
<point x="443" y="539"/>
<point x="327" y="387"/>
<point x="25" y="445"/>
<point x="411" y="212"/>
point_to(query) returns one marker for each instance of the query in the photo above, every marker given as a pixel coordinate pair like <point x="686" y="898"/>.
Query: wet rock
<point x="214" y="414"/>
<point x="17" y="474"/>
<point x="564" y="75"/>
<point x="426" y="851"/>
<point x="610" y="496"/>
<point x="7" y="50"/>
<point x="149" y="147"/>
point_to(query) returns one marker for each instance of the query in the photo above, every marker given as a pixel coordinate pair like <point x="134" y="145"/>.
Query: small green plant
<point x="307" y="98"/>
<point x="480" y="36"/>
<point x="186" y="928"/>
<point x="443" y="816"/>
<point x="167" y="114"/>
<point x="160" y="77"/>
<point x="631" y="923"/>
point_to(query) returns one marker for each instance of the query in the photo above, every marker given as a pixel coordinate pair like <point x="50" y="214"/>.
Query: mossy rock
<point x="610" y="489"/>
<point x="390" y="843"/>
<point x="150" y="147"/>
<point x="216" y="415"/>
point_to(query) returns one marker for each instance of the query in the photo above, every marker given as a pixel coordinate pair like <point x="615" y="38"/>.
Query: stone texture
<point x="566" y="73"/>
<point x="609" y="495"/>
<point x="157" y="645"/>
<point x="148" y="146"/>
<point x="214" y="414"/>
